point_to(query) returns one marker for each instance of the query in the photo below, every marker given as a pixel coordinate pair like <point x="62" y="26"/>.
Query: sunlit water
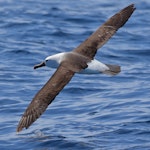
<point x="93" y="111"/>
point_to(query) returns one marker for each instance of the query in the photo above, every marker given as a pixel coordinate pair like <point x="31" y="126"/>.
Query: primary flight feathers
<point x="78" y="60"/>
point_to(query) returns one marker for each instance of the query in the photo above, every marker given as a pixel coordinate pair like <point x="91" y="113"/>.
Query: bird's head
<point x="50" y="61"/>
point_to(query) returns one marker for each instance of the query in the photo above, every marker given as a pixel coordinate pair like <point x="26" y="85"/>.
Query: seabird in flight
<point x="80" y="60"/>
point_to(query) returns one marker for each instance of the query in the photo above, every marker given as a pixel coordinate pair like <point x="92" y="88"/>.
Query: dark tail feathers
<point x="113" y="69"/>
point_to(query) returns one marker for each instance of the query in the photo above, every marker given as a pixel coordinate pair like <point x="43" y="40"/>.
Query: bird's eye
<point x="46" y="60"/>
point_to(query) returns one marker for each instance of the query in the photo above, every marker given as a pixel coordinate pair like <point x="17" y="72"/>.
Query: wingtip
<point x="19" y="129"/>
<point x="133" y="6"/>
<point x="22" y="124"/>
<point x="130" y="7"/>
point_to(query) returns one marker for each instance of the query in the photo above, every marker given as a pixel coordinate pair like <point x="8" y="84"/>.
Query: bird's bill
<point x="39" y="65"/>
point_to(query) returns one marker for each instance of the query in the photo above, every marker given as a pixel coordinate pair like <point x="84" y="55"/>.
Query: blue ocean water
<point x="96" y="112"/>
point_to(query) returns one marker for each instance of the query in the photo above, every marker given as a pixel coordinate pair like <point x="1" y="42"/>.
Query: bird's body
<point x="80" y="60"/>
<point x="94" y="66"/>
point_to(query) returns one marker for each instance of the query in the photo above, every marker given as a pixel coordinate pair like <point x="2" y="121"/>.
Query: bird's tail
<point x="113" y="69"/>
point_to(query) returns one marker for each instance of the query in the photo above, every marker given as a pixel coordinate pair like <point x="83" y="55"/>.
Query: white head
<point x="51" y="61"/>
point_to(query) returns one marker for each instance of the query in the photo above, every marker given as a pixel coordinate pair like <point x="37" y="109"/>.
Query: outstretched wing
<point x="90" y="46"/>
<point x="45" y="96"/>
<point x="63" y="75"/>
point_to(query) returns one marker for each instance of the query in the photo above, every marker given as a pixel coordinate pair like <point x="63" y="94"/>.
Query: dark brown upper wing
<point x="45" y="96"/>
<point x="89" y="47"/>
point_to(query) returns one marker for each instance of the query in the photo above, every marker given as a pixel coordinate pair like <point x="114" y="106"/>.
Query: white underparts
<point x="94" y="67"/>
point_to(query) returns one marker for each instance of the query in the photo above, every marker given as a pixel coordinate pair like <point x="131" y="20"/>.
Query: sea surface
<point x="93" y="112"/>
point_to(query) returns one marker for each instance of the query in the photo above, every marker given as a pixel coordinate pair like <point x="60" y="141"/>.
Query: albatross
<point x="79" y="60"/>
